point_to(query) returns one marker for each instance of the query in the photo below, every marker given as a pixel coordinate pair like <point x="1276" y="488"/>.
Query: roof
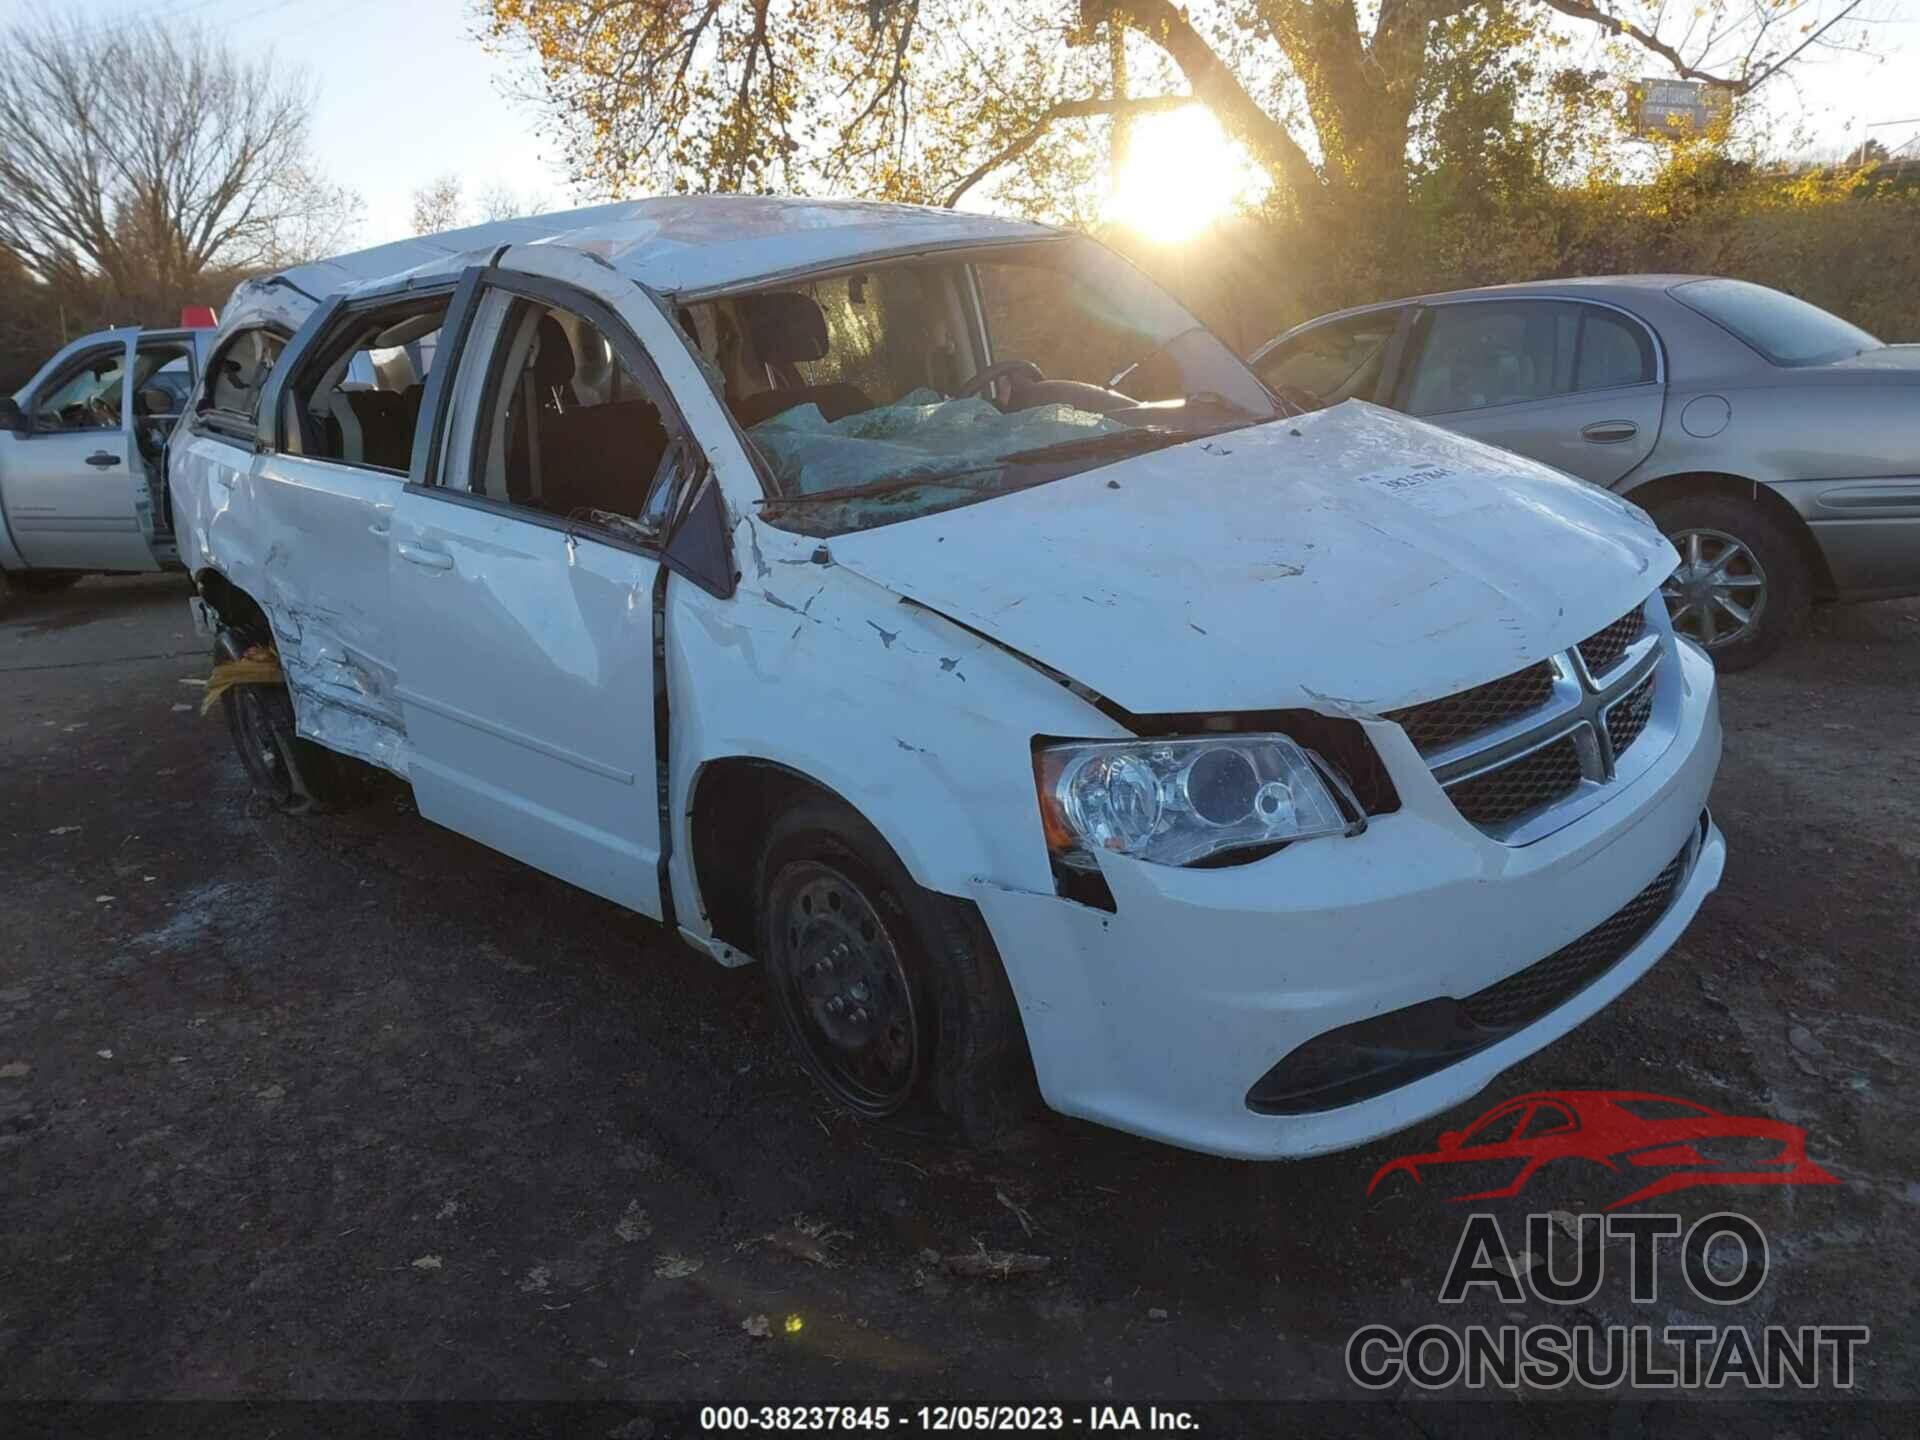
<point x="688" y="243"/>
<point x="1592" y="287"/>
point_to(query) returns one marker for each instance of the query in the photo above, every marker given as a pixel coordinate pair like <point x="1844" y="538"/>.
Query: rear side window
<point x="1610" y="350"/>
<point x="358" y="400"/>
<point x="1786" y="330"/>
<point x="1479" y="354"/>
<point x="238" y="372"/>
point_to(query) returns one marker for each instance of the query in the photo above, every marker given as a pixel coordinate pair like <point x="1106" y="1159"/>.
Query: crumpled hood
<point x="1349" y="561"/>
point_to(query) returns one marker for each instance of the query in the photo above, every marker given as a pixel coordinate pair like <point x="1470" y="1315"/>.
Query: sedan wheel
<point x="1744" y="583"/>
<point x="1719" y="590"/>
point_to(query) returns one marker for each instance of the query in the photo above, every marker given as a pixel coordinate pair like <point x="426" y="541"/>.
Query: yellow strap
<point x="259" y="666"/>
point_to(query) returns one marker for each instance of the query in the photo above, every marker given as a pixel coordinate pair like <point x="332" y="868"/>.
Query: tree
<point x="437" y="206"/>
<point x="926" y="99"/>
<point x="148" y="155"/>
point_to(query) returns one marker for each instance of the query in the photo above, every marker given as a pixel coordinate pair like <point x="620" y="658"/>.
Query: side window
<point x="567" y="428"/>
<point x="162" y="379"/>
<point x="1335" y="361"/>
<point x="358" y="399"/>
<point x="87" y="395"/>
<point x="238" y="372"/>
<point x="1613" y="351"/>
<point x="1479" y="354"/>
<point x="1496" y="1131"/>
<point x="1546" y="1120"/>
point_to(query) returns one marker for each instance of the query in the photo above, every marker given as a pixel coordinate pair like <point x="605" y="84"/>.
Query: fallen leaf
<point x="676" y="1267"/>
<point x="15" y="1070"/>
<point x="758" y="1326"/>
<point x="427" y="1262"/>
<point x="633" y="1224"/>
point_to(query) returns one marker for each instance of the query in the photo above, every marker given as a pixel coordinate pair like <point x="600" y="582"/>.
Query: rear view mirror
<point x="11" y="416"/>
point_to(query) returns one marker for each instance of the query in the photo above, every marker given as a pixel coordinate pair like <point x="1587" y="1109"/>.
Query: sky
<point x="406" y="93"/>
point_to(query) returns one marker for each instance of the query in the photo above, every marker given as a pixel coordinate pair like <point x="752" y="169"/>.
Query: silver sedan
<point x="1776" y="444"/>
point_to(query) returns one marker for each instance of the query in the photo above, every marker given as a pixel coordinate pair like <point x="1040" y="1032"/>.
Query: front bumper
<point x="1158" y="1018"/>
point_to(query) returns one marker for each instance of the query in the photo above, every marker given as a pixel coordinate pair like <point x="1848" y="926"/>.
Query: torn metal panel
<point x="1351" y="561"/>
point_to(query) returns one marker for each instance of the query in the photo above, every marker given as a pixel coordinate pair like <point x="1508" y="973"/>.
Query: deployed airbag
<point x="923" y="433"/>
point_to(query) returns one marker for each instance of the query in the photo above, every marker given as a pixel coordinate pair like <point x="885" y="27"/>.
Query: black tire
<point x="1761" y="568"/>
<point x="295" y="776"/>
<point x="36" y="582"/>
<point x="838" y="912"/>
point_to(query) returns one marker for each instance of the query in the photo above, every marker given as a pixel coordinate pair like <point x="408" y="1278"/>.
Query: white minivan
<point x="926" y="606"/>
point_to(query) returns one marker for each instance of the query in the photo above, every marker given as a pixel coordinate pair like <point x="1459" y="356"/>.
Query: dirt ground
<point x="352" y="1108"/>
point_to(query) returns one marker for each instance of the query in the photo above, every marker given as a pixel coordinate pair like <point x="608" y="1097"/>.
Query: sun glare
<point x="1181" y="174"/>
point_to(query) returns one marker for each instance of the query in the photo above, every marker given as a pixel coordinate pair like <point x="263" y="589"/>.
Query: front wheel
<point x="1742" y="588"/>
<point x="892" y="996"/>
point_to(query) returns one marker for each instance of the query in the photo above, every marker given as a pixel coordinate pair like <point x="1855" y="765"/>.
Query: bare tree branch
<point x="1067" y="110"/>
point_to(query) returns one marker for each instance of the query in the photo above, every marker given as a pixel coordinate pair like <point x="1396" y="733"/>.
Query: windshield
<point x="903" y="388"/>
<point x="1786" y="330"/>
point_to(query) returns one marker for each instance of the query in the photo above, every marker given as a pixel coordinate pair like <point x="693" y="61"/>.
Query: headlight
<point x="1173" y="802"/>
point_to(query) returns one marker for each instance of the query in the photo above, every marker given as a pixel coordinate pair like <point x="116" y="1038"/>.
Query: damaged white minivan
<point x="926" y="606"/>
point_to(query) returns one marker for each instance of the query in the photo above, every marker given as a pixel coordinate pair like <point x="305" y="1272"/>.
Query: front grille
<point x="1437" y="723"/>
<point x="1603" y="649"/>
<point x="1537" y="778"/>
<point x="1522" y="998"/>
<point x="1629" y="717"/>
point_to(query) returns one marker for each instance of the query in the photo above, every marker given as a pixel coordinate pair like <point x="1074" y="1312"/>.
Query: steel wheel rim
<point x="844" y="989"/>
<point x="1719" y="589"/>
<point x="259" y="743"/>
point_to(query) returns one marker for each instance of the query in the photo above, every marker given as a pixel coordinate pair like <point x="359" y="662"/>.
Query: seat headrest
<point x="785" y="326"/>
<point x="553" y="362"/>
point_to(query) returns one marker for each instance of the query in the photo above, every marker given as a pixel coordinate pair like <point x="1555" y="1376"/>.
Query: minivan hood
<point x="1352" y="561"/>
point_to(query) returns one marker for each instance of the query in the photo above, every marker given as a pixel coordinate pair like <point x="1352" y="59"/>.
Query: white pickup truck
<point x="82" y="444"/>
<point x="928" y="607"/>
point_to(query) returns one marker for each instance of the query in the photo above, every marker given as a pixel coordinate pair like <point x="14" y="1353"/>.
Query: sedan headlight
<point x="1174" y="802"/>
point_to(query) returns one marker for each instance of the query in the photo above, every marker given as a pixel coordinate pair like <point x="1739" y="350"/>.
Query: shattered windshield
<point x="885" y="393"/>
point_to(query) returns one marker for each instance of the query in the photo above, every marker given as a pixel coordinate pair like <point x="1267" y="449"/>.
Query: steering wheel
<point x="1000" y="370"/>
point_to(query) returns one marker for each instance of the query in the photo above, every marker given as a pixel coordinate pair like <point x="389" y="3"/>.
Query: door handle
<point x="431" y="559"/>
<point x="1610" y="432"/>
<point x="100" y="459"/>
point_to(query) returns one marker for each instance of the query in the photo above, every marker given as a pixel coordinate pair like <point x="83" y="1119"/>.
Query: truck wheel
<point x="293" y="775"/>
<point x="1742" y="588"/>
<point x="893" y="996"/>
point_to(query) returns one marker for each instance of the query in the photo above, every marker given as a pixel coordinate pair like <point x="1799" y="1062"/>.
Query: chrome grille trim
<point x="1598" y="720"/>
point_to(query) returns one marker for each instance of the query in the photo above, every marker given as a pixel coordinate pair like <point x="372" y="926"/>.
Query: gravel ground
<point x="352" y="1108"/>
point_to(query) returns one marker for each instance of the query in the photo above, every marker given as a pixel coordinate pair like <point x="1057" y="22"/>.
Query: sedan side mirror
<point x="12" y="417"/>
